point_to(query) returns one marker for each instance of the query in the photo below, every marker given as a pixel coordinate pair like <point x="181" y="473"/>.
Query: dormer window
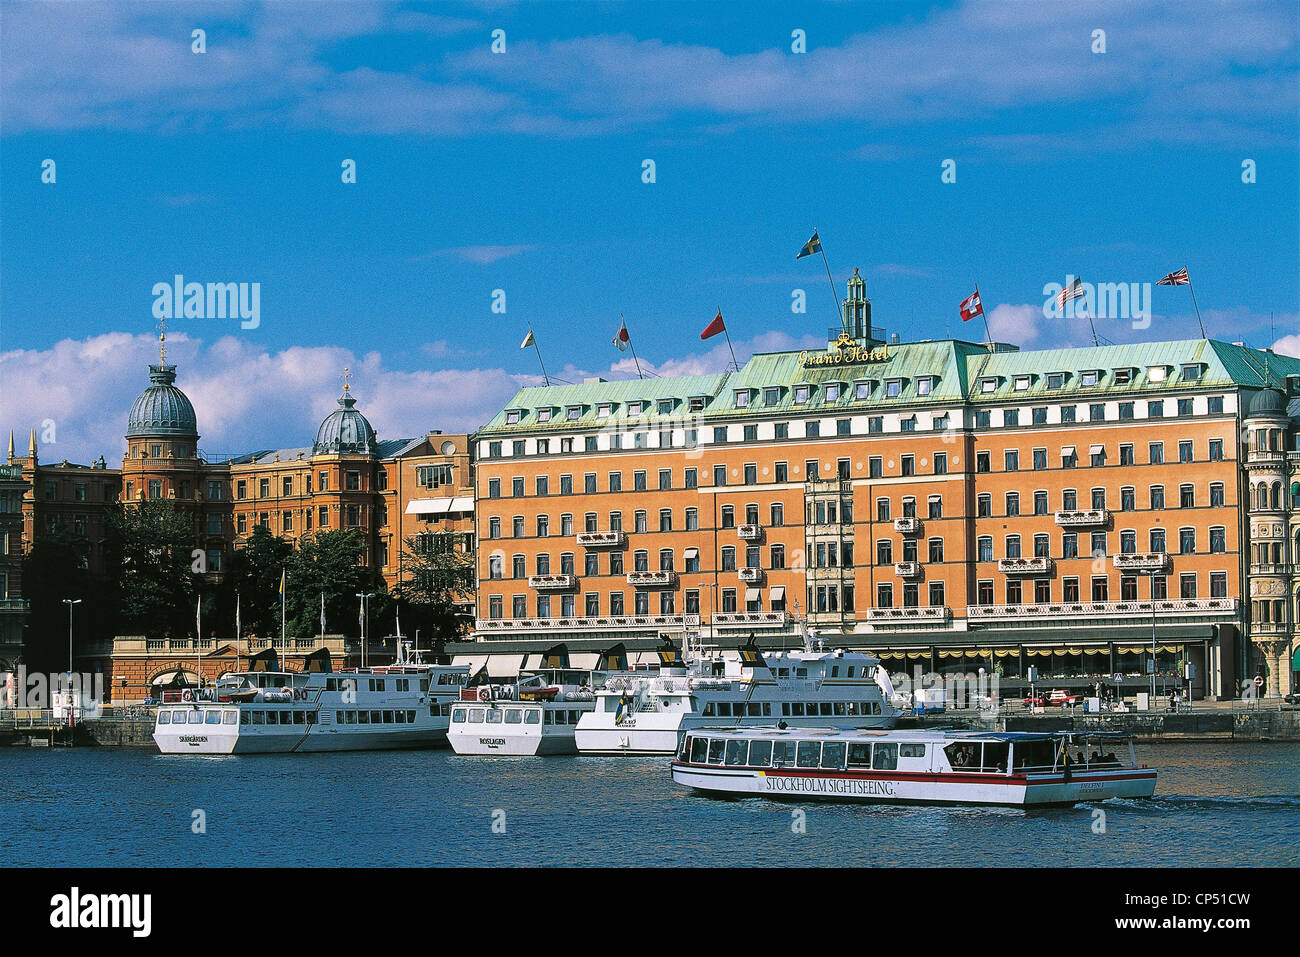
<point x="742" y="398"/>
<point x="1193" y="370"/>
<point x="1123" y="376"/>
<point x="512" y="417"/>
<point x="573" y="412"/>
<point x="893" y="388"/>
<point x="697" y="403"/>
<point x="1021" y="383"/>
<point x="801" y="393"/>
<point x="665" y="406"/>
<point x="861" y="389"/>
<point x="1055" y="380"/>
<point x="603" y="410"/>
<point x="925" y="385"/>
<point x="543" y="415"/>
<point x="634" y="408"/>
<point x="1088" y="377"/>
<point x="989" y="384"/>
<point x="832" y="391"/>
<point x="771" y="395"/>
<point x="1157" y="373"/>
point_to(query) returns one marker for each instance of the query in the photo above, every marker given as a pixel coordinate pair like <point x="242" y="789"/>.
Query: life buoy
<point x="288" y="691"/>
<point x="484" y="694"/>
<point x="187" y="696"/>
<point x="1259" y="681"/>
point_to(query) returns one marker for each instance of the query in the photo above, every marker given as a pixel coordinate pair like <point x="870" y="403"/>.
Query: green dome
<point x="1266" y="402"/>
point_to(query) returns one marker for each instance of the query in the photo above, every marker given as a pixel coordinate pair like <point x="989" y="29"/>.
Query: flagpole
<point x="839" y="308"/>
<point x="632" y="347"/>
<point x="988" y="333"/>
<point x="538" y="350"/>
<point x="238" y="630"/>
<point x="284" y="644"/>
<point x="198" y="640"/>
<point x="729" y="349"/>
<point x="1192" y="289"/>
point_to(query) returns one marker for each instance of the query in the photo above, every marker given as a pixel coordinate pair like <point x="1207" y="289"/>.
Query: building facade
<point x="941" y="502"/>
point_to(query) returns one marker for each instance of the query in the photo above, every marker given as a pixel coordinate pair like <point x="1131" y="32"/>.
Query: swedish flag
<point x="621" y="713"/>
<point x="813" y="245"/>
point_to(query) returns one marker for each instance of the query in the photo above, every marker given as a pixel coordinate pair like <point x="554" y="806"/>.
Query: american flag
<point x="1176" y="279"/>
<point x="1074" y="290"/>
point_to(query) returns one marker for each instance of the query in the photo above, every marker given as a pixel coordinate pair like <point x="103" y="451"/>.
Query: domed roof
<point x="1267" y="402"/>
<point x="162" y="409"/>
<point x="345" y="430"/>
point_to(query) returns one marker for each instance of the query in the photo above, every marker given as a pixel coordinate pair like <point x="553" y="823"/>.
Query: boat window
<point x="532" y="716"/>
<point x="259" y="717"/>
<point x="475" y="715"/>
<point x="212" y="717"/>
<point x="875" y="707"/>
<point x="244" y="717"/>
<point x="573" y="716"/>
<point x="783" y="672"/>
<point x="835" y="671"/>
<point x="311" y="717"/>
<point x="783" y="753"/>
<point x="851" y="707"/>
<point x="708" y="709"/>
<point x="410" y="716"/>
<point x="546" y="718"/>
<point x="760" y="754"/>
<point x="833" y="754"/>
<point x="737" y="753"/>
<point x="911" y="750"/>
<point x="164" y="717"/>
<point x="859" y="755"/>
<point x="363" y="717"/>
<point x="995" y="756"/>
<point x="754" y="709"/>
<point x="377" y="717"/>
<point x="812" y="709"/>
<point x="801" y="672"/>
<point x="785" y="708"/>
<point x="514" y="716"/>
<point x="796" y="709"/>
<point x="964" y="755"/>
<point x="715" y="750"/>
<point x="388" y="717"/>
<point x="561" y="717"/>
<point x="299" y="717"/>
<point x="850" y="671"/>
<point x="767" y="709"/>
<point x="810" y="753"/>
<point x="699" y="750"/>
<point x="825" y="707"/>
<point x="458" y="716"/>
<point x="884" y="757"/>
<point x="724" y="709"/>
<point x="839" y="708"/>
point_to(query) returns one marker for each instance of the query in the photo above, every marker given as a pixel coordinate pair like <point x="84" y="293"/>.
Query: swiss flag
<point x="971" y="306"/>
<point x="714" y="327"/>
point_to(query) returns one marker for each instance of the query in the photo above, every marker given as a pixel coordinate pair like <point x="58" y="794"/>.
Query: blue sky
<point x="522" y="171"/>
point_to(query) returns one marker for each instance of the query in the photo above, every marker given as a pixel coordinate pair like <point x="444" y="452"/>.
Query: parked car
<point x="1055" y="699"/>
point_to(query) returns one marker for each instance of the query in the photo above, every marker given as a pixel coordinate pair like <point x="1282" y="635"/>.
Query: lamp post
<point x="365" y="621"/>
<point x="70" y="602"/>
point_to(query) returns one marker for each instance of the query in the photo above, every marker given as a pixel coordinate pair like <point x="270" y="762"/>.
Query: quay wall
<point x="1240" y="725"/>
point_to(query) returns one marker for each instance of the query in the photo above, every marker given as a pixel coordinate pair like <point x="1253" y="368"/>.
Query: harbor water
<point x="1216" y="803"/>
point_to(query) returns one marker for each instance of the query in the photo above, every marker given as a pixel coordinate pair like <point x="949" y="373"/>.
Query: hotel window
<point x="1040" y="415"/>
<point x="728" y="516"/>
<point x="696" y="404"/>
<point x="1216" y="450"/>
<point x="1069" y="545"/>
<point x="1011" y="460"/>
<point x="1013" y="503"/>
<point x="1127" y="498"/>
<point x="909" y="506"/>
<point x="517" y="565"/>
<point x="1191" y="370"/>
<point x="1068" y="413"/>
<point x="776" y="515"/>
<point x="982" y="462"/>
<point x="615" y="565"/>
<point x="1156" y="453"/>
<point x="753" y="559"/>
<point x="155" y="488"/>
<point x="1128" y="542"/>
<point x="728" y="558"/>
<point x="639" y="480"/>
<point x="1069" y="458"/>
<point x="1185" y="451"/>
<point x="353" y="481"/>
<point x="801" y="394"/>
<point x="1123" y="376"/>
<point x="1099" y="498"/>
<point x="984" y="592"/>
<point x="1184" y="406"/>
<point x="924" y="385"/>
<point x="811" y="468"/>
<point x="719" y="475"/>
<point x="940" y="423"/>
<point x="263" y="488"/>
<point x="494" y="527"/>
<point x="572" y="413"/>
<point x="665" y="406"/>
<point x="1042" y="545"/>
<point x="893" y="388"/>
<point x="1187" y="586"/>
<point x="517" y="526"/>
<point x="751" y="473"/>
<point x="1013" y="591"/>
<point x="909" y="465"/>
<point x="1042" y="591"/>
<point x="1097" y="456"/>
<point x="1159" y="587"/>
<point x="1088" y="377"/>
<point x="884" y="596"/>
<point x="989" y="384"/>
<point x="934" y="505"/>
<point x="751" y="433"/>
<point x="983" y="418"/>
<point x="1012" y="546"/>
<point x="728" y="600"/>
<point x="771" y="395"/>
<point x="241" y="489"/>
<point x="876" y="424"/>
<point x="1157" y="539"/>
<point x="1156" y="409"/>
<point x="1011" y="417"/>
<point x="935" y="550"/>
<point x="882" y="510"/>
<point x="1100" y="588"/>
<point x="517" y="486"/>
<point x="566" y="445"/>
<point x="589" y="444"/>
<point x="813" y="429"/>
<point x="1187" y="496"/>
<point x="1055" y="380"/>
<point x="665" y="519"/>
<point x="692" y="560"/>
<point x="323" y="517"/>
<point x="1187" y="541"/>
<point x="639" y="521"/>
<point x="1218" y="538"/>
<point x="884" y="553"/>
<point x="543" y="526"/>
<point x="845" y="426"/>
<point x="1040" y="502"/>
<point x="1216" y="405"/>
<point x="496" y="564"/>
<point x="1126" y="410"/>
<point x="589" y="483"/>
<point x="781" y="430"/>
<point x="1021" y="383"/>
<point x="984" y="548"/>
<point x="1097" y="545"/>
<point x="742" y="398"/>
<point x="615" y="481"/>
<point x="1126" y="454"/>
<point x="940" y="463"/>
<point x="566" y="564"/>
<point x="832" y="391"/>
<point x="875" y="466"/>
<point x="512" y="417"/>
<point x="984" y="505"/>
<point x="1218" y="584"/>
<point x="1157" y="496"/>
<point x="543" y="415"/>
<point x="691" y="480"/>
<point x="1040" y="460"/>
<point x="494" y="488"/>
<point x="543" y="485"/>
<point x="1070" y="589"/>
<point x="1216" y="494"/>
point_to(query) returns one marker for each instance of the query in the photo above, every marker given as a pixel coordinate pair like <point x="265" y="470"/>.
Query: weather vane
<point x="347" y="379"/>
<point x="162" y="341"/>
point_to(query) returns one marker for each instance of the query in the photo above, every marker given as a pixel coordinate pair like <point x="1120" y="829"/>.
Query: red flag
<point x="971" y="306"/>
<point x="714" y="327"/>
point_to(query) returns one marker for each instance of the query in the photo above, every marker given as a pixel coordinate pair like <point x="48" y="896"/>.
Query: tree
<point x="441" y="569"/>
<point x="149" y="549"/>
<point x="328" y="563"/>
<point x="53" y="570"/>
<point x="254" y="572"/>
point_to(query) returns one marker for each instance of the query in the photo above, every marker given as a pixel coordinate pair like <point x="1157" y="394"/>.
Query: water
<point x="1215" y="804"/>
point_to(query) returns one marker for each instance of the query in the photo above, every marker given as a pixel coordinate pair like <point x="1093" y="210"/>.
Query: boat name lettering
<point x="492" y="742"/>
<point x="828" y="785"/>
<point x="194" y="739"/>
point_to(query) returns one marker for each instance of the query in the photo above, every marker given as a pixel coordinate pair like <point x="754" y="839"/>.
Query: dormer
<point x="1056" y="381"/>
<point x="1158" y="373"/>
<point x="513" y="416"/>
<point x="1022" y="382"/>
<point x="1124" y="375"/>
<point x="925" y="384"/>
<point x="1192" y="371"/>
<point x="1089" y="378"/>
<point x="989" y="383"/>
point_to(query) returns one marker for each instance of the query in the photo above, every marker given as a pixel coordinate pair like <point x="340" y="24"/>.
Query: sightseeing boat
<point x="404" y="705"/>
<point x="648" y="713"/>
<point x="535" y="715"/>
<point x="1012" y="769"/>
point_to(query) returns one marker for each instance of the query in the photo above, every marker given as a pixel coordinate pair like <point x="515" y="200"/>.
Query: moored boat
<point x="1013" y="769"/>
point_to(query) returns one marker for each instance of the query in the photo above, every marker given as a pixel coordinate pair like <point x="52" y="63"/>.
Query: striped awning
<point x="439" y="506"/>
<point x="777" y="592"/>
<point x="751" y="594"/>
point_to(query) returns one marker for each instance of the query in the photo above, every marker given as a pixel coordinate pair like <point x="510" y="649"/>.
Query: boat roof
<point x="915" y="734"/>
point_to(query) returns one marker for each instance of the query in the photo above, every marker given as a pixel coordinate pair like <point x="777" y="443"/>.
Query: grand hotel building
<point x="942" y="503"/>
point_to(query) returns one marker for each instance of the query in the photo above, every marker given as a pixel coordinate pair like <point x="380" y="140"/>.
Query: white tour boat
<point x="537" y="714"/>
<point x="1006" y="768"/>
<point x="405" y="705"/>
<point x="648" y="713"/>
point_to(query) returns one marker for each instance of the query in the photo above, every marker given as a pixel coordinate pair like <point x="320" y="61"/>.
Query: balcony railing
<point x="1038" y="565"/>
<point x="1141" y="561"/>
<point x="751" y="575"/>
<point x="659" y="579"/>
<point x="908" y="525"/>
<point x="601" y="539"/>
<point x="552" y="582"/>
<point x="1173" y="606"/>
<point x="1084" y="516"/>
<point x="918" y="613"/>
<point x="740" y="618"/>
<point x="13" y="605"/>
<point x="907" y="569"/>
<point x="598" y="623"/>
<point x="750" y="533"/>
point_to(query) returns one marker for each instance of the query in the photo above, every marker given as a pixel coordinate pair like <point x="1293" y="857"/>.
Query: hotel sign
<point x="844" y="351"/>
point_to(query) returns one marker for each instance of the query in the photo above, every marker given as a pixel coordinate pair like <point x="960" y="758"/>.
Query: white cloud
<point x="244" y="396"/>
<point x="1288" y="345"/>
<point x="1019" y="324"/>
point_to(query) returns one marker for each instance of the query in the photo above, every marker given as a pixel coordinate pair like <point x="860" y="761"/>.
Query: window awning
<point x="1097" y="450"/>
<point x="777" y="592"/>
<point x="751" y="594"/>
<point x="439" y="506"/>
<point x="1067" y="449"/>
<point x="692" y="553"/>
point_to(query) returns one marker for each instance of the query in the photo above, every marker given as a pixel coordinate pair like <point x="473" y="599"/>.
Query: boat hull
<point x="318" y="740"/>
<point x="651" y="733"/>
<point x="1023" y="791"/>
<point x="515" y="745"/>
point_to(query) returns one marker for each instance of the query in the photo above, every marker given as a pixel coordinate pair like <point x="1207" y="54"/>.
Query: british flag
<point x="1176" y="279"/>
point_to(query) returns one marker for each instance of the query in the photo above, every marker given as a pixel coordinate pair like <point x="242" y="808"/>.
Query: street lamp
<point x="365" y="621"/>
<point x="70" y="602"/>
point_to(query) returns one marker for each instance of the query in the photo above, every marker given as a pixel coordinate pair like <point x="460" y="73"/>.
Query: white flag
<point x="528" y="340"/>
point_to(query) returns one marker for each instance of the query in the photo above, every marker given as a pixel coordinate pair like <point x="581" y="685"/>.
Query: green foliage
<point x="52" y="571"/>
<point x="435" y="573"/>
<point x="329" y="563"/>
<point x="148" y="553"/>
<point x="254" y="573"/>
